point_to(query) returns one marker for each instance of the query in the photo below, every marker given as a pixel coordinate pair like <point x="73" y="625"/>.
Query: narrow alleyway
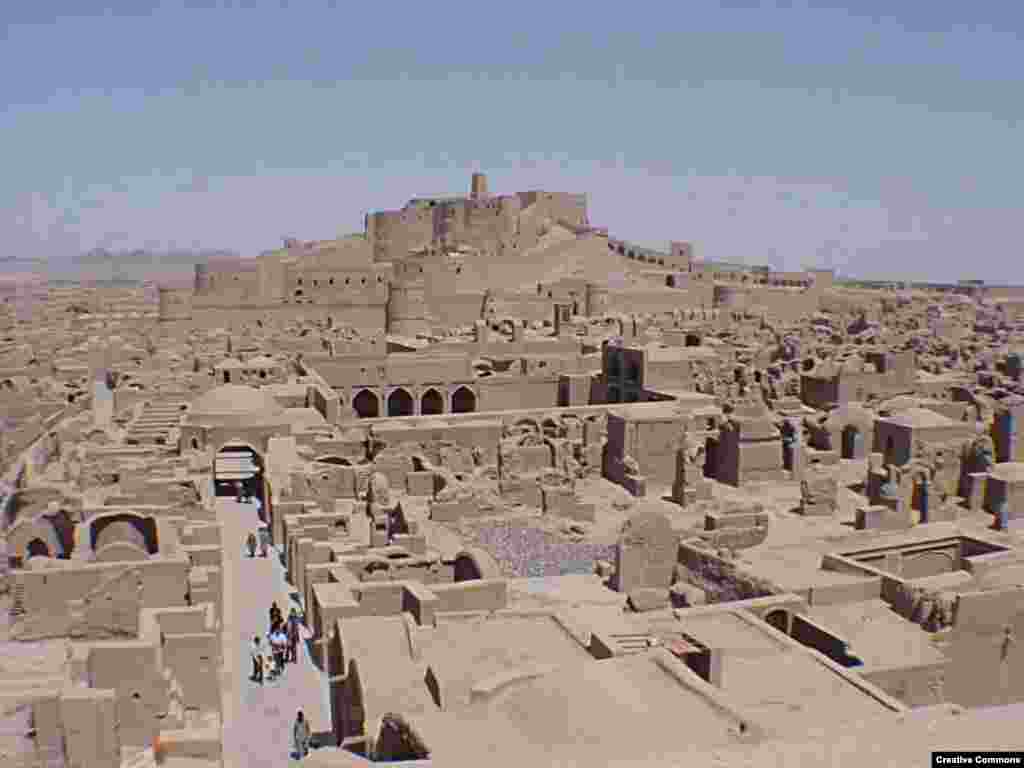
<point x="258" y="719"/>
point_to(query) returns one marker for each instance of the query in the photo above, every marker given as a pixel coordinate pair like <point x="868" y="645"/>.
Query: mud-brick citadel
<point x="523" y="493"/>
<point x="436" y="261"/>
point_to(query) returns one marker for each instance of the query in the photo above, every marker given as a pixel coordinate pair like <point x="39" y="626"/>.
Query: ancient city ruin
<point x="536" y="495"/>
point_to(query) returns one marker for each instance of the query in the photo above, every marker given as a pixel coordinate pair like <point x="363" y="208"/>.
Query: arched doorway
<point x="238" y="463"/>
<point x="37" y="548"/>
<point x="466" y="568"/>
<point x="400" y="403"/>
<point x="432" y="403"/>
<point x="853" y="443"/>
<point x="366" y="405"/>
<point x="463" y="400"/>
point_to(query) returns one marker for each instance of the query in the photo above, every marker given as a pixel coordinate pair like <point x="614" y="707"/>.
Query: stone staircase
<point x="153" y="424"/>
<point x="629" y="644"/>
<point x="17" y="598"/>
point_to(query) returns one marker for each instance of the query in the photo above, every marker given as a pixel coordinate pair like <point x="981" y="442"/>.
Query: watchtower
<point x="478" y="186"/>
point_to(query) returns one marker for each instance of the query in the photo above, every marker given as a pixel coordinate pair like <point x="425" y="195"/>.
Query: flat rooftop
<point x="464" y="652"/>
<point x="578" y="716"/>
<point x="877" y="636"/>
<point x="783" y="686"/>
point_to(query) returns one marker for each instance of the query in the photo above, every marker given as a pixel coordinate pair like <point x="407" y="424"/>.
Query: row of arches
<point x="400" y="402"/>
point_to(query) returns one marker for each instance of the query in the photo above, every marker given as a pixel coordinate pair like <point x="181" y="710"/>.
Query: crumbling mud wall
<point x="719" y="576"/>
<point x="932" y="609"/>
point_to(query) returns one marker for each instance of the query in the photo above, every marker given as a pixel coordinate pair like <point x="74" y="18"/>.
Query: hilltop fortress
<point x="450" y="261"/>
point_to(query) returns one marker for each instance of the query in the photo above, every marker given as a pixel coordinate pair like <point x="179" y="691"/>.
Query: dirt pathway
<point x="258" y="719"/>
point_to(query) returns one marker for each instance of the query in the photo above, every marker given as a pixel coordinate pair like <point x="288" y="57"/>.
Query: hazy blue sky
<point x="883" y="139"/>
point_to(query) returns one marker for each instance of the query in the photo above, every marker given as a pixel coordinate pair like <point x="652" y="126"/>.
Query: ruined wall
<point x="392" y="234"/>
<point x="784" y="305"/>
<point x="525" y="307"/>
<point x="653" y="300"/>
<point x="132" y="670"/>
<point x="499" y="225"/>
<point x="913" y="685"/>
<point x="337" y="287"/>
<point x="47" y="594"/>
<point x="215" y="314"/>
<point x="722" y="579"/>
<point x="175" y="304"/>
<point x="228" y="279"/>
<point x="497" y="394"/>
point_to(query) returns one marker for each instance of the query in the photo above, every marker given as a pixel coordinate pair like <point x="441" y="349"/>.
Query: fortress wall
<point x="175" y="304"/>
<point x="558" y="206"/>
<point x="229" y="282"/>
<point x="657" y="300"/>
<point x="407" y="309"/>
<point x="272" y="278"/>
<point x="366" y="317"/>
<point x="355" y="287"/>
<point x="525" y="307"/>
<point x="485" y="223"/>
<point x="513" y="220"/>
<point x="393" y="234"/>
<point x="456" y="309"/>
<point x="1005" y="292"/>
<point x="345" y="253"/>
<point x="787" y="306"/>
<point x="679" y="258"/>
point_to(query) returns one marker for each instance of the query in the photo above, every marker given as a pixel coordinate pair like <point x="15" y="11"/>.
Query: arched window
<point x="366" y="405"/>
<point x="463" y="400"/>
<point x="400" y="403"/>
<point x="432" y="403"/>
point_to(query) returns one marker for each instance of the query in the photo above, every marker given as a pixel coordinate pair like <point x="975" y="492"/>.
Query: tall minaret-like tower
<point x="478" y="187"/>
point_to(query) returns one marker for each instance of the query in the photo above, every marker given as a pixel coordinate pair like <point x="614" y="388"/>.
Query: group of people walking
<point x="283" y="642"/>
<point x="282" y="648"/>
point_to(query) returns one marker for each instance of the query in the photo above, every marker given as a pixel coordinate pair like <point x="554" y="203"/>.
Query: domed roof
<point x="236" y="400"/>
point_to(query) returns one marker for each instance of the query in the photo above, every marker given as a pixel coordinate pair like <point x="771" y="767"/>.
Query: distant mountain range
<point x="20" y="260"/>
<point x="141" y="256"/>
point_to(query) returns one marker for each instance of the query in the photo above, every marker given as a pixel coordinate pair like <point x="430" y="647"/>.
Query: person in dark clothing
<point x="292" y="629"/>
<point x="275" y="617"/>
